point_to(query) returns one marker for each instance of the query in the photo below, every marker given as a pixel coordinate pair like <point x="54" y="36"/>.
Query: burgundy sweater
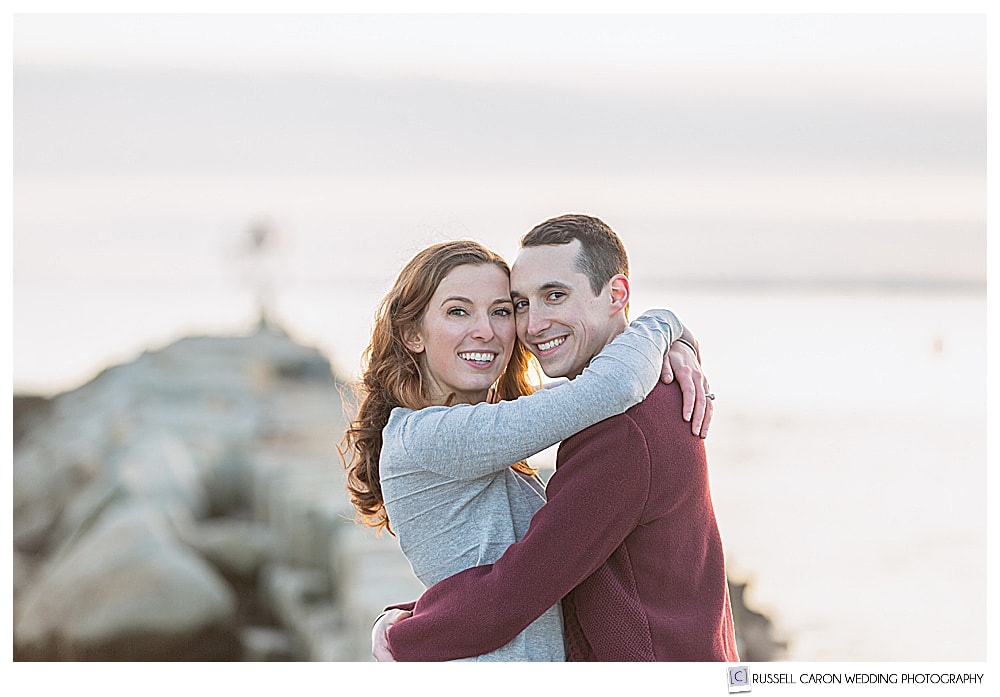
<point x="627" y="539"/>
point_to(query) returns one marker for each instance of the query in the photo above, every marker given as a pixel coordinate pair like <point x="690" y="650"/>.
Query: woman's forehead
<point x="475" y="280"/>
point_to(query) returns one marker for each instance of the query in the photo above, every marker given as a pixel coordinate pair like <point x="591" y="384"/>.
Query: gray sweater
<point x="450" y="494"/>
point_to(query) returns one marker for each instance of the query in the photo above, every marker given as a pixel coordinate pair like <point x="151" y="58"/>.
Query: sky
<point x="139" y="138"/>
<point x="819" y="116"/>
<point x="555" y="47"/>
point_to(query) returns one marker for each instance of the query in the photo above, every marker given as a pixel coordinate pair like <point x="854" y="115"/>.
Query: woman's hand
<point x="380" y="634"/>
<point x="681" y="363"/>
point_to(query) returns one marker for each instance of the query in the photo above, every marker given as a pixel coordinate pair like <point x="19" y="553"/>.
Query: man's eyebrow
<point x="548" y="285"/>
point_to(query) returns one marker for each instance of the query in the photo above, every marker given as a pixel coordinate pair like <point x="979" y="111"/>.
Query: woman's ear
<point x="412" y="340"/>
<point x="619" y="292"/>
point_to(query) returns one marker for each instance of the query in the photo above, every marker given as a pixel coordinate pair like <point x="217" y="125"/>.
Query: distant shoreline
<point x="646" y="282"/>
<point x="903" y="286"/>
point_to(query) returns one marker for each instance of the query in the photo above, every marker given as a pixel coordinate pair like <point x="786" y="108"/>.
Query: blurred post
<point x="260" y="243"/>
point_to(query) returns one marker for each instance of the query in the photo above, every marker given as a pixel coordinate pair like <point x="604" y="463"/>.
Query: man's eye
<point x="556" y="295"/>
<point x="520" y="306"/>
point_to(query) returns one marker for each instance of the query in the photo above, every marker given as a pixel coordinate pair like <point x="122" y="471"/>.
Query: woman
<point x="447" y="408"/>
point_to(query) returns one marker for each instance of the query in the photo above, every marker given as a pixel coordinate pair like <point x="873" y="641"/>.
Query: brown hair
<point x="391" y="375"/>
<point x="602" y="255"/>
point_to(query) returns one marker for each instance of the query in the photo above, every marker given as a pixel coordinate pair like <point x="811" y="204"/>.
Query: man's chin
<point x="553" y="370"/>
<point x="547" y="370"/>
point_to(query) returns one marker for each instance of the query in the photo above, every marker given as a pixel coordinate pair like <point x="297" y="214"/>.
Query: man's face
<point x="559" y="319"/>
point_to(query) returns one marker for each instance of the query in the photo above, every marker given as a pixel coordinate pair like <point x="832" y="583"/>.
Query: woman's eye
<point x="457" y="312"/>
<point x="503" y="312"/>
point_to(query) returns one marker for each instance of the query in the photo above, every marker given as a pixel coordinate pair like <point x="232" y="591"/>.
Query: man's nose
<point x="537" y="321"/>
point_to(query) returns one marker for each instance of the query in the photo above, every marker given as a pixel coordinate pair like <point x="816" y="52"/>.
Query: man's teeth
<point x="478" y="357"/>
<point x="551" y="344"/>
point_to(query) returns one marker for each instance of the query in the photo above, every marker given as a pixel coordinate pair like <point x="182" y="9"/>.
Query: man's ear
<point x="620" y="293"/>
<point x="412" y="339"/>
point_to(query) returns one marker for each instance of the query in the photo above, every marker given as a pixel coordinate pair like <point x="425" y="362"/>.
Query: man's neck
<point x="618" y="325"/>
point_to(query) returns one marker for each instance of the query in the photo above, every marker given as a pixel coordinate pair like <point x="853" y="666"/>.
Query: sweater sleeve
<point x="595" y="499"/>
<point x="468" y="441"/>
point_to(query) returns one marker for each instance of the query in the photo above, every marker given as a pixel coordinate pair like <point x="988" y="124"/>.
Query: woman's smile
<point x="479" y="359"/>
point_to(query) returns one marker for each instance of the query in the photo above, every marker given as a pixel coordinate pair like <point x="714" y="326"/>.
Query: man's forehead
<point x="535" y="266"/>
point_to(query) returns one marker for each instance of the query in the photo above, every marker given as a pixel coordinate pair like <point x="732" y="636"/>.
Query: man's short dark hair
<point x="602" y="255"/>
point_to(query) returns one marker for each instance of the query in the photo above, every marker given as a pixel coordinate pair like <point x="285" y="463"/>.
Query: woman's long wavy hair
<point x="391" y="373"/>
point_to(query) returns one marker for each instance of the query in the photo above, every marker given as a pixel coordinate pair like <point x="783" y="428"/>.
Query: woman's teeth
<point x="478" y="357"/>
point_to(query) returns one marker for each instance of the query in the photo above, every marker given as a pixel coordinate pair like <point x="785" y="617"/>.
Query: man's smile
<point x="551" y="344"/>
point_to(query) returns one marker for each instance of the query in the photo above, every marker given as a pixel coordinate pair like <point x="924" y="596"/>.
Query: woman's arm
<point x="471" y="440"/>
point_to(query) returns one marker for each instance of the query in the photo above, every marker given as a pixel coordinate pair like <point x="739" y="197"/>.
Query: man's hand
<point x="680" y="362"/>
<point x="380" y="634"/>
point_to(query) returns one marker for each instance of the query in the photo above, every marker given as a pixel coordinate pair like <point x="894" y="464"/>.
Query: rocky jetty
<point x="190" y="505"/>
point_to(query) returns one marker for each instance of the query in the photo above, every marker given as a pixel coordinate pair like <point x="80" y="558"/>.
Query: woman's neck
<point x="453" y="398"/>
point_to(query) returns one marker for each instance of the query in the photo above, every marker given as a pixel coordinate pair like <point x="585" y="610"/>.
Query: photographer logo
<point x="739" y="678"/>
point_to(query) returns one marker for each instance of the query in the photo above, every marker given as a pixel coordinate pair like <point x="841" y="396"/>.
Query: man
<point x="628" y="538"/>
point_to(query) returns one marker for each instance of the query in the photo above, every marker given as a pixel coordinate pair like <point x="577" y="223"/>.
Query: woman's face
<point x="466" y="335"/>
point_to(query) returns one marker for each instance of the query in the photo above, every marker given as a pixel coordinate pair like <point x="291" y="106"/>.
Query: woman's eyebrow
<point x="462" y="299"/>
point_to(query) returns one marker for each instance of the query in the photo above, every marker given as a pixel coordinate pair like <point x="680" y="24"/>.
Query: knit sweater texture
<point x="628" y="540"/>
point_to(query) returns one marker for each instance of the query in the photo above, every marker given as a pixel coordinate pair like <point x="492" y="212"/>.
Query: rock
<point x="29" y="412"/>
<point x="302" y="603"/>
<point x="268" y="644"/>
<point x="754" y="631"/>
<point x="226" y="475"/>
<point x="371" y="574"/>
<point x="33" y="526"/>
<point x="48" y="474"/>
<point x="237" y="548"/>
<point x="25" y="569"/>
<point x="157" y="466"/>
<point x="127" y="591"/>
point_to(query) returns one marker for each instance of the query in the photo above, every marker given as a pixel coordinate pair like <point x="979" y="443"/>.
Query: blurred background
<point x="806" y="191"/>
